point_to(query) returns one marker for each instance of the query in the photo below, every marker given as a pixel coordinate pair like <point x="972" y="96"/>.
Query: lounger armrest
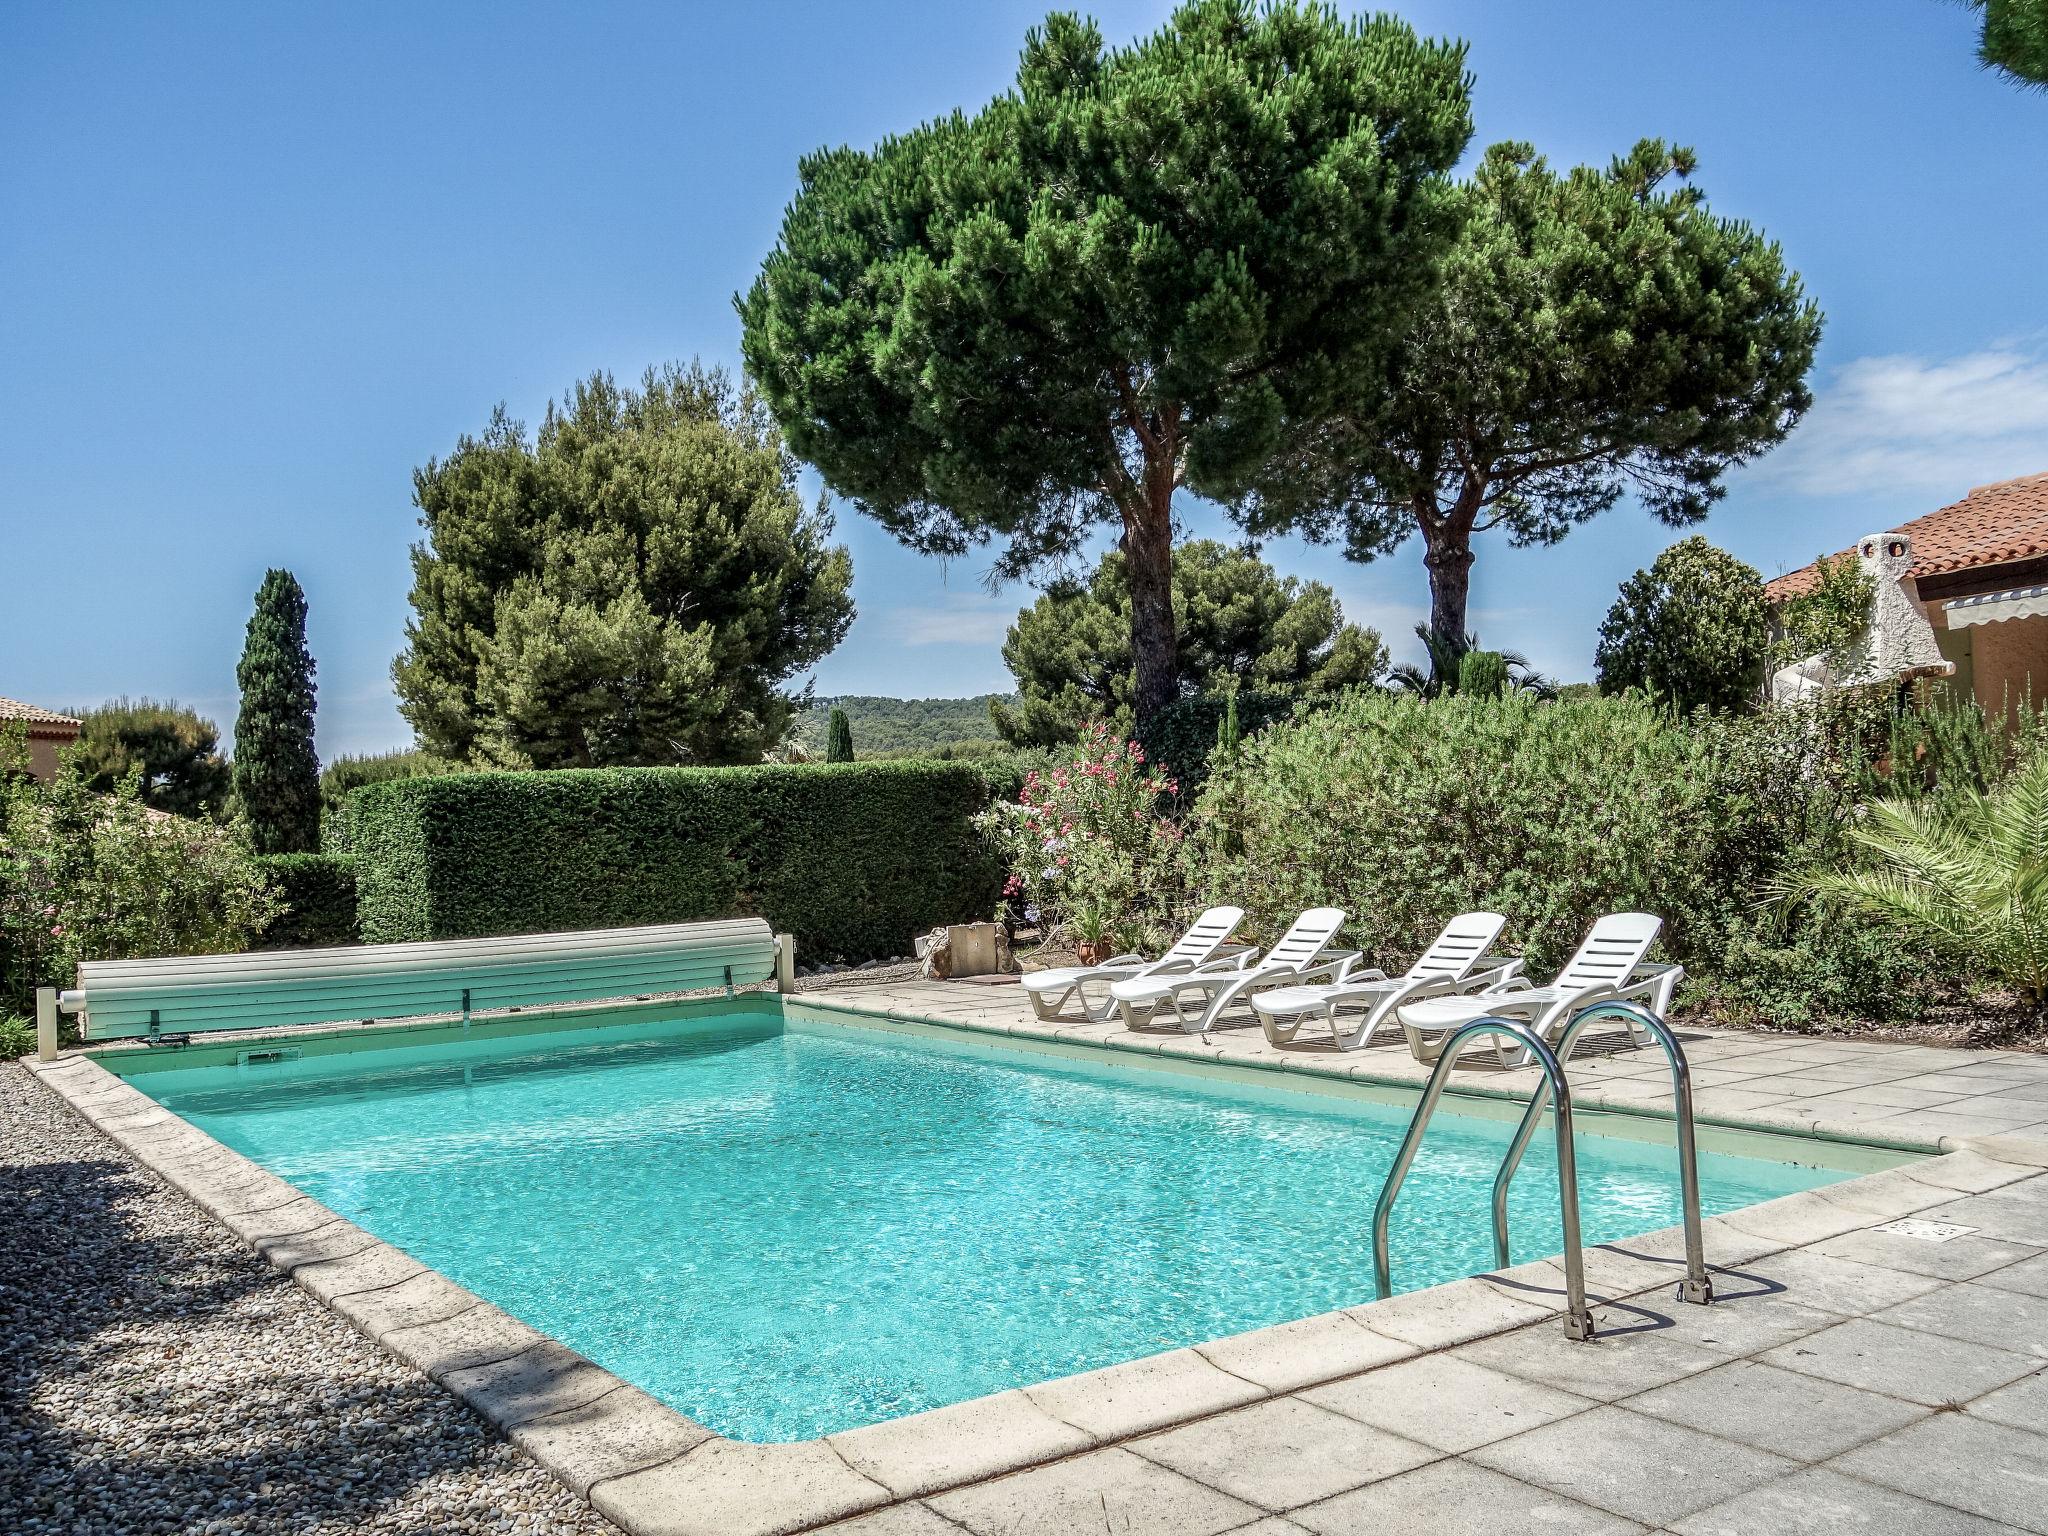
<point x="1335" y="965"/>
<point x="1493" y="972"/>
<point x="1370" y="973"/>
<point x="1133" y="959"/>
<point x="1232" y="951"/>
<point x="1224" y="967"/>
<point x="1655" y="981"/>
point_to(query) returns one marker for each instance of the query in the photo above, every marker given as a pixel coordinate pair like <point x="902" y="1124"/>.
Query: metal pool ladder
<point x="1554" y="1093"/>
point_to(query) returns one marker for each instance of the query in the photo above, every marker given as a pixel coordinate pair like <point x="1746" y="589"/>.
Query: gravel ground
<point x="157" y="1377"/>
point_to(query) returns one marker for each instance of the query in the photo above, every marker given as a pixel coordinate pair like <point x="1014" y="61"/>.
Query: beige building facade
<point x="48" y="734"/>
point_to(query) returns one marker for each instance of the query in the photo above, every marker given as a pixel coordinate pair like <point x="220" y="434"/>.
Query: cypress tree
<point x="839" y="738"/>
<point x="277" y="775"/>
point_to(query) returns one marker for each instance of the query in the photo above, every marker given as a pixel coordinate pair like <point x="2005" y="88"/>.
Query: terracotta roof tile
<point x="14" y="709"/>
<point x="1991" y="525"/>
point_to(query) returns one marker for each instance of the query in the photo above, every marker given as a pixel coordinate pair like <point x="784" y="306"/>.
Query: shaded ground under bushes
<point x="157" y="1377"/>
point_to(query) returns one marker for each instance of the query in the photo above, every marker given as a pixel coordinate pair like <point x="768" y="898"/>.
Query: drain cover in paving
<point x="1925" y="1231"/>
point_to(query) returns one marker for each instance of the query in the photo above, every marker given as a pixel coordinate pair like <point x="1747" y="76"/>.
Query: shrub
<point x="17" y="1036"/>
<point x="342" y="777"/>
<point x="1483" y="674"/>
<point x="852" y="859"/>
<point x="317" y="893"/>
<point x="1085" y="839"/>
<point x="1692" y="629"/>
<point x="1181" y="737"/>
<point x="87" y="876"/>
<point x="1404" y="812"/>
<point x="839" y="738"/>
<point x="1966" y="875"/>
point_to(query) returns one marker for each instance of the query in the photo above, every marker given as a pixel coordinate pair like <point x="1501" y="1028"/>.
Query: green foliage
<point x="17" y="1036"/>
<point x="1086" y="840"/>
<point x="174" y="751"/>
<point x="276" y="772"/>
<point x="854" y="860"/>
<point x="899" y="727"/>
<point x="1445" y="671"/>
<point x="1483" y="674"/>
<point x="1693" y="630"/>
<point x="1237" y="622"/>
<point x="839" y="739"/>
<point x="1130" y="273"/>
<point x="2015" y="39"/>
<point x="1594" y="333"/>
<point x="1828" y="618"/>
<point x="630" y="587"/>
<point x="1966" y="875"/>
<point x="1184" y="738"/>
<point x="345" y="774"/>
<point x="316" y="894"/>
<point x="91" y="876"/>
<point x="1404" y="812"/>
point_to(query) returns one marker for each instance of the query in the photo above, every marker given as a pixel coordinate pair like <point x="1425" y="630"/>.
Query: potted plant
<point x="1091" y="933"/>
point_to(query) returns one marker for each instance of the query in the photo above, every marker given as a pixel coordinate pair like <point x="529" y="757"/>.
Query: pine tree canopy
<point x="173" y="751"/>
<point x="1596" y="333"/>
<point x="630" y="587"/>
<point x="1236" y="622"/>
<point x="1126" y="275"/>
<point x="2015" y="39"/>
<point x="276" y="772"/>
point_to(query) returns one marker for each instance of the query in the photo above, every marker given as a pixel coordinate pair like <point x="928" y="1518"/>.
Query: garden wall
<point x="854" y="859"/>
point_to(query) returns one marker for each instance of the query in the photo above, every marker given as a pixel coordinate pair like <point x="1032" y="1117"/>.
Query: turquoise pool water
<point x="788" y="1230"/>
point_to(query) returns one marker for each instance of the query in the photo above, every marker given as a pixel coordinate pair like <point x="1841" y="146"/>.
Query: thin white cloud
<point x="959" y="620"/>
<point x="1882" y="425"/>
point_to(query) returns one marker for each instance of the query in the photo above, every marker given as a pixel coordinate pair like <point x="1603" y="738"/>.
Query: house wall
<point x="1998" y="664"/>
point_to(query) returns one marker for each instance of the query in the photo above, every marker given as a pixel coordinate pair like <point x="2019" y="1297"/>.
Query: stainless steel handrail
<point x="1578" y="1321"/>
<point x="1698" y="1285"/>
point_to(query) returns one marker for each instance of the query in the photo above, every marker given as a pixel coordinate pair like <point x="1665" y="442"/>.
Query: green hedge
<point x="854" y="859"/>
<point x="319" y="895"/>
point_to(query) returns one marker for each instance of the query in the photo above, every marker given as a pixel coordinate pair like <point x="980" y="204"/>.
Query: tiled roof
<point x="14" y="709"/>
<point x="1991" y="525"/>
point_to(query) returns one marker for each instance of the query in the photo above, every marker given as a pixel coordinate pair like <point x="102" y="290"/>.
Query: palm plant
<point x="1967" y="872"/>
<point x="1446" y="656"/>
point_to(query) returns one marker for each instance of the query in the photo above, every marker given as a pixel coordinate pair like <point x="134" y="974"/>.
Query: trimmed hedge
<point x="854" y="859"/>
<point x="319" y="895"/>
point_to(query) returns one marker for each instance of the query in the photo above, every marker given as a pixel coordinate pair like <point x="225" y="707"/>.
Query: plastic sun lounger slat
<point x="201" y="992"/>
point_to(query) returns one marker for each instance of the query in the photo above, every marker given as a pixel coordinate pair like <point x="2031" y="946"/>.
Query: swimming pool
<point x="787" y="1228"/>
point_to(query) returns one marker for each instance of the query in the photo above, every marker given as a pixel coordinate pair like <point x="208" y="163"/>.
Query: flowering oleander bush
<point x="1091" y="833"/>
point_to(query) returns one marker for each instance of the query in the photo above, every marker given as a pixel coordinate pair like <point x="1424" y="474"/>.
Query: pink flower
<point x="57" y="932"/>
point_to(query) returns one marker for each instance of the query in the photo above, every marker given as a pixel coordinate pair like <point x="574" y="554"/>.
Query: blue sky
<point x="258" y="262"/>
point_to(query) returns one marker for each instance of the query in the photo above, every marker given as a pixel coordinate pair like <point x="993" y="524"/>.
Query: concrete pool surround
<point x="657" y="1473"/>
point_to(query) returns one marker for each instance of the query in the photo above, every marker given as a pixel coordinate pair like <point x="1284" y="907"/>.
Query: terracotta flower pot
<point x="1092" y="951"/>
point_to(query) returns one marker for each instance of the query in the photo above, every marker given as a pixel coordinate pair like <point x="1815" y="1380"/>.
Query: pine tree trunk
<point x="1148" y="557"/>
<point x="1447" y="556"/>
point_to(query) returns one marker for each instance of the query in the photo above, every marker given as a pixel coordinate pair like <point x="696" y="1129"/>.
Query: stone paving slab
<point x="1844" y="1375"/>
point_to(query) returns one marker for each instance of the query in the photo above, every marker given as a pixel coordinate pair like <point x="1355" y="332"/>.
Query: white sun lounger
<point x="1608" y="966"/>
<point x="1303" y="954"/>
<point x="1050" y="990"/>
<point x="1456" y="962"/>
